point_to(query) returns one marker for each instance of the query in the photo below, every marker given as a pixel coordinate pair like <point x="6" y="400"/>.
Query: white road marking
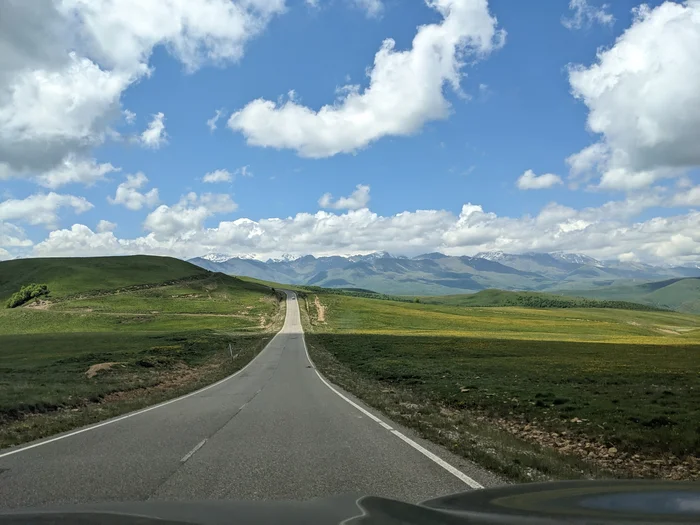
<point x="192" y="452"/>
<point x="437" y="459"/>
<point x="444" y="464"/>
<point x="138" y="412"/>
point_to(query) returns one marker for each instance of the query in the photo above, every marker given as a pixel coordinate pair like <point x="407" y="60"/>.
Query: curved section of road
<point x="276" y="430"/>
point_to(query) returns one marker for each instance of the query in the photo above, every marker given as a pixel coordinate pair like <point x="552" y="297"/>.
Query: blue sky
<point x="450" y="128"/>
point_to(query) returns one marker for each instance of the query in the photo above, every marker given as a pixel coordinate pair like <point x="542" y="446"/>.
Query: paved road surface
<point x="275" y="430"/>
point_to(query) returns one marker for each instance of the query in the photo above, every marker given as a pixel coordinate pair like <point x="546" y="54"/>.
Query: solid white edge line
<point x="143" y="410"/>
<point x="436" y="459"/>
<point x="193" y="451"/>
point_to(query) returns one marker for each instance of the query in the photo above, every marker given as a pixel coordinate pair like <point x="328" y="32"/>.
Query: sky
<point x="338" y="127"/>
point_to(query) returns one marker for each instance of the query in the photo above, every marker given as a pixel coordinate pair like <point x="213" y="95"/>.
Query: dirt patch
<point x="181" y="376"/>
<point x="94" y="369"/>
<point x="667" y="331"/>
<point x="321" y="310"/>
<point x="602" y="454"/>
<point x="38" y="305"/>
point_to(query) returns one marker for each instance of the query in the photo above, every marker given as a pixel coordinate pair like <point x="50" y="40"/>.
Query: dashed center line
<point x="193" y="451"/>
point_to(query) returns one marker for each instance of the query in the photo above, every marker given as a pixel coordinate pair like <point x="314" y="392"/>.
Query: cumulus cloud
<point x="356" y="200"/>
<point x="41" y="208"/>
<point x="530" y="181"/>
<point x="65" y="65"/>
<point x="75" y="170"/>
<point x="211" y="123"/>
<point x="188" y="215"/>
<point x="585" y="15"/>
<point x="218" y="176"/>
<point x="405" y="89"/>
<point x="690" y="197"/>
<point x="128" y="193"/>
<point x="373" y="8"/>
<point x="12" y="236"/>
<point x="610" y="231"/>
<point x="45" y="115"/>
<point x="154" y="136"/>
<point x="643" y="99"/>
<point x="105" y="226"/>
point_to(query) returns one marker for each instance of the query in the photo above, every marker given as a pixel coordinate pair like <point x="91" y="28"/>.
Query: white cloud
<point x="13" y="236"/>
<point x="643" y="97"/>
<point x="689" y="197"/>
<point x="194" y="32"/>
<point x="244" y="171"/>
<point x="405" y="89"/>
<point x="105" y="226"/>
<point x="154" y="136"/>
<point x="226" y="176"/>
<point x="373" y="8"/>
<point x="530" y="181"/>
<point x="41" y="208"/>
<point x="218" y="176"/>
<point x="75" y="170"/>
<point x="628" y="257"/>
<point x="65" y="65"/>
<point x="211" y="123"/>
<point x="585" y="15"/>
<point x="128" y="193"/>
<point x="47" y="114"/>
<point x="129" y="116"/>
<point x="357" y="199"/>
<point x="188" y="215"/>
<point x="610" y="231"/>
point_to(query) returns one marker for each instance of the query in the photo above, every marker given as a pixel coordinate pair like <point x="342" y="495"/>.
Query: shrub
<point x="26" y="294"/>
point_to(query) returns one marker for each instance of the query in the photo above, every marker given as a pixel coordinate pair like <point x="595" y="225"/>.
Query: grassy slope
<point x="677" y="294"/>
<point x="359" y="315"/>
<point x="66" y="276"/>
<point x="530" y="299"/>
<point x="610" y="378"/>
<point x="166" y="340"/>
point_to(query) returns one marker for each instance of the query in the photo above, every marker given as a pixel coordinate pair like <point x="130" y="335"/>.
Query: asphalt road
<point x="274" y="431"/>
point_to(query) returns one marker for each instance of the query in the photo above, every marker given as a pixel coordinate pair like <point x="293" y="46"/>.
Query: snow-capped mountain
<point x="576" y="258"/>
<point x="216" y="257"/>
<point x="436" y="273"/>
<point x="223" y="257"/>
<point x="285" y="257"/>
<point x="493" y="255"/>
<point x="370" y="257"/>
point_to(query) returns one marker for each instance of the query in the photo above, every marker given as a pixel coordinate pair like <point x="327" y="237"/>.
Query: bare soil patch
<point x="95" y="369"/>
<point x="321" y="309"/>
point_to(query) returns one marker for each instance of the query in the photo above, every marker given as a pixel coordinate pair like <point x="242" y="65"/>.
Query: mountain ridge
<point x="439" y="274"/>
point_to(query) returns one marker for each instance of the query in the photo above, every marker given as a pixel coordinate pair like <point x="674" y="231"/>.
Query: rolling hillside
<point x="682" y="295"/>
<point x="120" y="333"/>
<point x="66" y="276"/>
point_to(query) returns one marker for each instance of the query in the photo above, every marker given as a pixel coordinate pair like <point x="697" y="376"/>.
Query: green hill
<point x="67" y="276"/>
<point x="682" y="295"/>
<point x="531" y="300"/>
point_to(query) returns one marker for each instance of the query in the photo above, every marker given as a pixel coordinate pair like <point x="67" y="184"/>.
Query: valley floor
<point x="530" y="393"/>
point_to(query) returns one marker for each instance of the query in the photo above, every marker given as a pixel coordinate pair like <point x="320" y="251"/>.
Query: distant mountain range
<point x="439" y="274"/>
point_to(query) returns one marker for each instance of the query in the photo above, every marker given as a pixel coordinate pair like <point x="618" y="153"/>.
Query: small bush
<point x="26" y="294"/>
